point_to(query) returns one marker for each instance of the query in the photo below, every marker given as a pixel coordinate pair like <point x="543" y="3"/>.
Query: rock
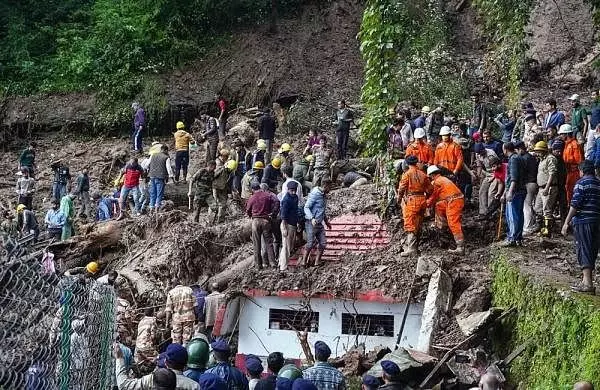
<point x="410" y="368"/>
<point x="475" y="298"/>
<point x="470" y="323"/>
<point x="427" y="265"/>
<point x="439" y="296"/>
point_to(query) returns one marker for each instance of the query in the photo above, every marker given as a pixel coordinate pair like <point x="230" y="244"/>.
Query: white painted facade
<point x="254" y="326"/>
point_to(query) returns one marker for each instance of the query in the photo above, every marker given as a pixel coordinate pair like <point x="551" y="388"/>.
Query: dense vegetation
<point x="405" y="45"/>
<point x="563" y="331"/>
<point x="104" y="45"/>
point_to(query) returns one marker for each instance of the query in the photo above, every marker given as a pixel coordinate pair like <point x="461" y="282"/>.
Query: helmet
<point x="285" y="148"/>
<point x="419" y="133"/>
<point x="309" y="158"/>
<point x="276" y="163"/>
<point x="574" y="97"/>
<point x="426" y="110"/>
<point x="259" y="165"/>
<point x="261" y="144"/>
<point x="432" y="169"/>
<point x="198" y="353"/>
<point x="541" y="146"/>
<point x="92" y="267"/>
<point x="290" y="371"/>
<point x="180" y="125"/>
<point x="445" y="130"/>
<point x="21" y="207"/>
<point x="231" y="165"/>
<point x="224" y="152"/>
<point x="565" y="129"/>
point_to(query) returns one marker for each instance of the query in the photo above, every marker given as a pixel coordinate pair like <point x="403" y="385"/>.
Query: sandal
<point x="582" y="288"/>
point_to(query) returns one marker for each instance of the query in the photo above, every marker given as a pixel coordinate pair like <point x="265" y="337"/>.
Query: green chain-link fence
<point x="56" y="332"/>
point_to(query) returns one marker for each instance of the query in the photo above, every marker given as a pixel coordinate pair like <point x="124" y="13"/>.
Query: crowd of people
<point x="543" y="168"/>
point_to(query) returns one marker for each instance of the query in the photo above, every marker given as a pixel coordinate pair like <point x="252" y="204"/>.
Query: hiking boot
<point x="460" y="249"/>
<point x="583" y="289"/>
<point x="509" y="244"/>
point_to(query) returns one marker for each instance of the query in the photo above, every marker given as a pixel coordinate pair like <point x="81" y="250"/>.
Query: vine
<point x="407" y="57"/>
<point x="504" y="23"/>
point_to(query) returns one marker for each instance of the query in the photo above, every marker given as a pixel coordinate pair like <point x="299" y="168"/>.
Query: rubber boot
<point x="410" y="245"/>
<point x="460" y="248"/>
<point x="196" y="217"/>
<point x="545" y="231"/>
<point x="318" y="258"/>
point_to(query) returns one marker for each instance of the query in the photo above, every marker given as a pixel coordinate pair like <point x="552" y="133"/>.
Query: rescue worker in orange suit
<point x="448" y="153"/>
<point x="420" y="149"/>
<point x="412" y="192"/>
<point x="572" y="157"/>
<point x="449" y="203"/>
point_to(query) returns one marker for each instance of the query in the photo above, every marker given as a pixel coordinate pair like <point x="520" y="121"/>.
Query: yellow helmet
<point x="285" y="148"/>
<point x="92" y="267"/>
<point x="231" y="165"/>
<point x="276" y="163"/>
<point x="259" y="165"/>
<point x="21" y="207"/>
<point x="261" y="144"/>
<point x="224" y="152"/>
<point x="540" y="146"/>
<point x="180" y="125"/>
<point x="309" y="158"/>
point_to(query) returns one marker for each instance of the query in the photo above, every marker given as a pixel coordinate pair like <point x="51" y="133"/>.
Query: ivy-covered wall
<point x="564" y="330"/>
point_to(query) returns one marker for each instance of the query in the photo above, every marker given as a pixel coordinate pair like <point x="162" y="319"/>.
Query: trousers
<point x="212" y="144"/>
<point x="342" y="137"/>
<point x="157" y="189"/>
<point x="528" y="208"/>
<point x="544" y="204"/>
<point x="412" y="213"/>
<point x="261" y="229"/>
<point x="315" y="233"/>
<point x="587" y="243"/>
<point x="135" y="194"/>
<point x="289" y="243"/>
<point x="487" y="192"/>
<point x="182" y="160"/>
<point x="515" y="217"/>
<point x="137" y="139"/>
<point x="449" y="212"/>
<point x="181" y="332"/>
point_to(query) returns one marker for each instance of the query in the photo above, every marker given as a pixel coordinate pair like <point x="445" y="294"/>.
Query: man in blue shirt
<point x="553" y="117"/>
<point x="289" y="223"/>
<point x="232" y="376"/>
<point x="584" y="214"/>
<point x="514" y="195"/>
<point x="314" y="213"/>
<point x="55" y="220"/>
<point x="323" y="375"/>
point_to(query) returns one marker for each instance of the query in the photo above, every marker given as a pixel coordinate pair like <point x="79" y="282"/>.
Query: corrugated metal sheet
<point x="353" y="233"/>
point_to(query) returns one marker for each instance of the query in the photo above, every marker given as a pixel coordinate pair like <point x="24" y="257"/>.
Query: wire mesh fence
<point x="56" y="332"/>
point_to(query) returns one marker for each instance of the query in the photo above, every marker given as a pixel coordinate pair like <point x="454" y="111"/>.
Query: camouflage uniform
<point x="124" y="321"/>
<point x="145" y="351"/>
<point x="219" y="186"/>
<point x="181" y="303"/>
<point x="323" y="157"/>
<point x="203" y="196"/>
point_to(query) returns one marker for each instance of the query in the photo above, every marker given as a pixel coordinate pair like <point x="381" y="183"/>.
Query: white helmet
<point x="432" y="169"/>
<point x="445" y="130"/>
<point x="419" y="133"/>
<point x="565" y="129"/>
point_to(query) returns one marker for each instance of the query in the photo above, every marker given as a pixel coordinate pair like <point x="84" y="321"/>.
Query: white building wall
<point x="254" y="326"/>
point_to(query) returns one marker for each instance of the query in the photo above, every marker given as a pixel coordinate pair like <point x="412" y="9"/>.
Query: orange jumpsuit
<point x="572" y="157"/>
<point x="449" y="203"/>
<point x="449" y="155"/>
<point x="422" y="151"/>
<point x="414" y="185"/>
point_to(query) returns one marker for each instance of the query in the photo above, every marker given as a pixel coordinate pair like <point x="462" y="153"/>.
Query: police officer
<point x="198" y="352"/>
<point x="203" y="196"/>
<point x="232" y="376"/>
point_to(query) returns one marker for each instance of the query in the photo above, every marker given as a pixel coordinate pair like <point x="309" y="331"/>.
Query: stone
<point x="427" y="265"/>
<point x="475" y="298"/>
<point x="410" y="368"/>
<point x="470" y="323"/>
<point x="437" y="303"/>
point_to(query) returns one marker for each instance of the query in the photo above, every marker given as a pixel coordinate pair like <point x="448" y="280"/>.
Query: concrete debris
<point x="439" y="297"/>
<point x="427" y="265"/>
<point x="470" y="323"/>
<point x="410" y="368"/>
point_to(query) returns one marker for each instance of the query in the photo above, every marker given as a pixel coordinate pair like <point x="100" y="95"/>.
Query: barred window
<point x="294" y="320"/>
<point x="368" y="324"/>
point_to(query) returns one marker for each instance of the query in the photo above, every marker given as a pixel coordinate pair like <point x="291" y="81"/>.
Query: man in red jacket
<point x="131" y="180"/>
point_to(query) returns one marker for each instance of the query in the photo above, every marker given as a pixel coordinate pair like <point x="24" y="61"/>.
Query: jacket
<point x="157" y="169"/>
<point x="182" y="140"/>
<point x="315" y="206"/>
<point x="266" y="127"/>
<point x="220" y="179"/>
<point x="131" y="177"/>
<point x="443" y="189"/>
<point x="232" y="376"/>
<point x="145" y="382"/>
<point x="271" y="176"/>
<point x="449" y="155"/>
<point x="422" y="151"/>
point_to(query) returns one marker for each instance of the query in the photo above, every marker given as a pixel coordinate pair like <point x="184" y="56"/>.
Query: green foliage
<point x="405" y="47"/>
<point x="564" y="331"/>
<point x="504" y="23"/>
<point x="108" y="46"/>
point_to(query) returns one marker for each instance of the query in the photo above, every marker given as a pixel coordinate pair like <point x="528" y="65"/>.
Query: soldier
<point x="145" y="351"/>
<point x="220" y="187"/>
<point x="124" y="318"/>
<point x="198" y="352"/>
<point x="232" y="376"/>
<point x="203" y="196"/>
<point x="180" y="309"/>
<point x="254" y="175"/>
<point x="323" y="157"/>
